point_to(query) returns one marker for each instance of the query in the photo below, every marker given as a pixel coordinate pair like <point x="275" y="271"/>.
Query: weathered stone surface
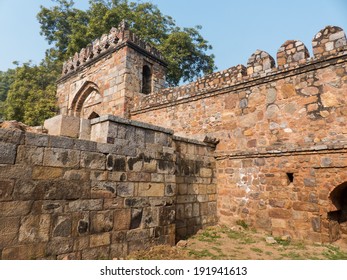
<point x="119" y="251"/>
<point x="11" y="136"/>
<point x="61" y="157"/>
<point x="48" y="207"/>
<point x="9" y="231"/>
<point x="101" y="221"/>
<point x="61" y="142"/>
<point x="46" y="173"/>
<point x="93" y="160"/>
<point x="63" y="189"/>
<point x="63" y="126"/>
<point x="8" y="153"/>
<point x="76" y="175"/>
<point x="29" y="155"/>
<point x="24" y="252"/>
<point x="62" y="227"/>
<point x="125" y="189"/>
<point x="85" y="205"/>
<point x="6" y="190"/>
<point x="98" y="253"/>
<point x="170" y="189"/>
<point x="137" y="234"/>
<point x="329" y="99"/>
<point x="97" y="240"/>
<point x="136" y="218"/>
<point x="271" y="96"/>
<point x="14" y="208"/>
<point x="116" y="163"/>
<point x="304" y="206"/>
<point x="59" y="246"/>
<point x="103" y="189"/>
<point x="151" y="189"/>
<point x="37" y="140"/>
<point x="35" y="228"/>
<point x="280" y="213"/>
<point x="122" y="219"/>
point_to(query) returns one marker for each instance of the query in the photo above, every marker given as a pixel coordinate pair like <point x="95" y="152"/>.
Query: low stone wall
<point x="68" y="198"/>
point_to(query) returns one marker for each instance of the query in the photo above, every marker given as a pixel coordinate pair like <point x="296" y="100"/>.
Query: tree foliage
<point x="6" y="79"/>
<point x="70" y="29"/>
<point x="27" y="93"/>
<point x="31" y="97"/>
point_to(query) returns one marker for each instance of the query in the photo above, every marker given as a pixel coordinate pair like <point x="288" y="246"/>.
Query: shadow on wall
<point x="196" y="189"/>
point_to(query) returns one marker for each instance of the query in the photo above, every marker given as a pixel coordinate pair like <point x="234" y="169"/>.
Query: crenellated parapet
<point x="329" y="40"/>
<point x="115" y="39"/>
<point x="292" y="55"/>
<point x="259" y="62"/>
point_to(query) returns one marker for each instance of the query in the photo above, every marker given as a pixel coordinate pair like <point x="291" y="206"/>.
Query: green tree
<point x="31" y="97"/>
<point x="70" y="29"/>
<point x="6" y="79"/>
<point x="62" y="25"/>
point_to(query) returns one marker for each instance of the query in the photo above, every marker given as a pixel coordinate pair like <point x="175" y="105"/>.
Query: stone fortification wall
<point x="328" y="43"/>
<point x="68" y="198"/>
<point x="274" y="123"/>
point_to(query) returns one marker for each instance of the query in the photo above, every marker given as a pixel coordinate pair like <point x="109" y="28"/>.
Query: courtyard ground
<point x="241" y="243"/>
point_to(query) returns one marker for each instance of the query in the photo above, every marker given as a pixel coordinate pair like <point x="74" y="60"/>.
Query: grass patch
<point x="234" y="234"/>
<point x="257" y="250"/>
<point x="242" y="224"/>
<point x="202" y="254"/>
<point x="334" y="253"/>
<point x="247" y="240"/>
<point x="219" y="251"/>
<point x="292" y="256"/>
<point x="299" y="245"/>
<point x="282" y="242"/>
<point x="209" y="235"/>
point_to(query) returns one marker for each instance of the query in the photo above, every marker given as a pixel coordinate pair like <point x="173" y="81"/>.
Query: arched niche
<point x="338" y="217"/>
<point x="85" y="100"/>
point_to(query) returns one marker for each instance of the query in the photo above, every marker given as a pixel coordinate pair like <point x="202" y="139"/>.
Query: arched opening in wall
<point x="86" y="100"/>
<point x="338" y="218"/>
<point x="146" y="79"/>
<point x="93" y="115"/>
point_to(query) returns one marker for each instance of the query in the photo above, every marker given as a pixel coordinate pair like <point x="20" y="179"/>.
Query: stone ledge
<point x="192" y="141"/>
<point x="279" y="153"/>
<point x="120" y="120"/>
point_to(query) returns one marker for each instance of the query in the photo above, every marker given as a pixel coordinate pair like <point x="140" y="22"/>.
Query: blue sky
<point x="235" y="29"/>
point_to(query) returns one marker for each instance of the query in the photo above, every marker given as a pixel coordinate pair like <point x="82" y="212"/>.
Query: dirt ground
<point x="238" y="243"/>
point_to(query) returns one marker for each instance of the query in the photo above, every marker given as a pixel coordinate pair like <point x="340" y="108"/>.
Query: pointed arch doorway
<point x="86" y="102"/>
